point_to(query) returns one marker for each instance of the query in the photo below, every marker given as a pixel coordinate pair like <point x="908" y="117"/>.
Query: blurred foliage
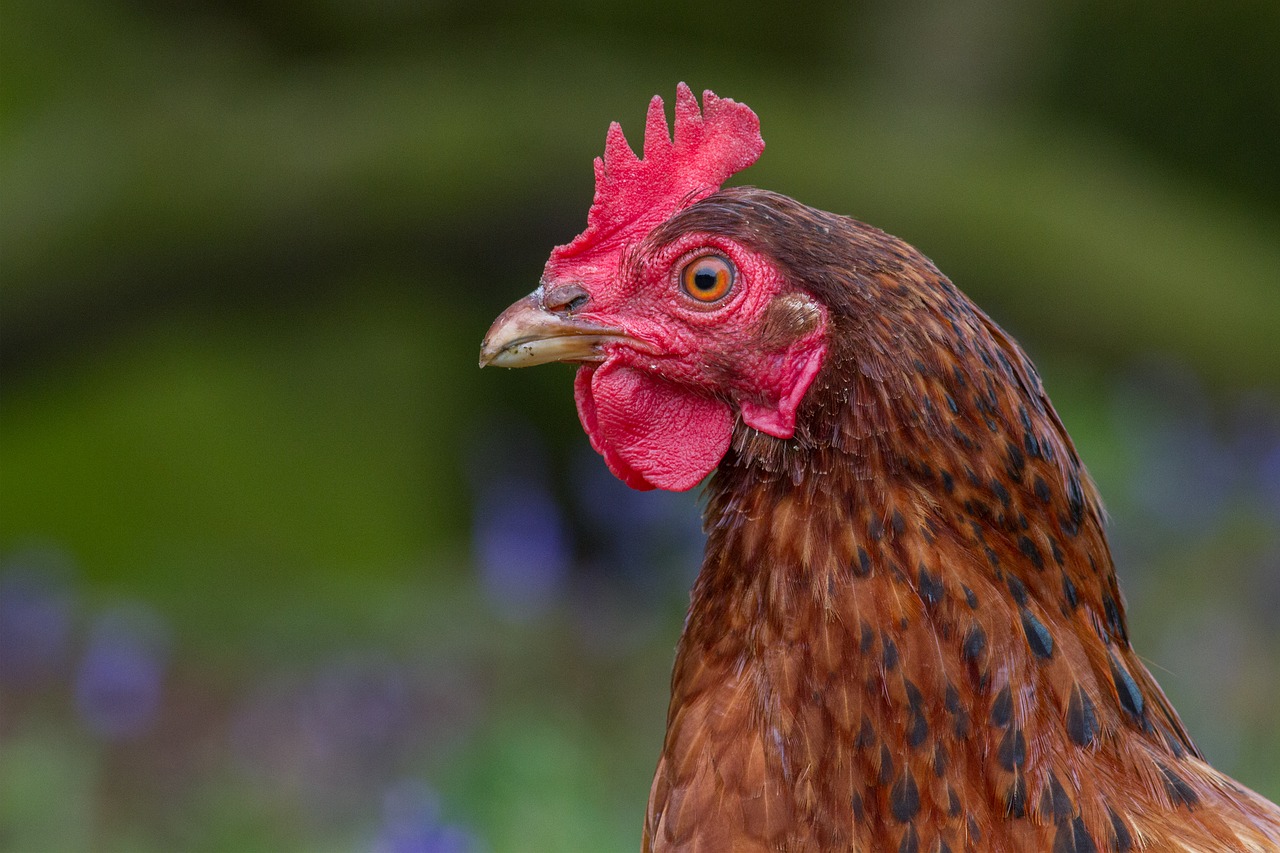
<point x="1197" y="91"/>
<point x="247" y="252"/>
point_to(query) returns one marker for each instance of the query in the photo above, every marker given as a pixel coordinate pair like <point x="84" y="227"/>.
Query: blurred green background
<point x="281" y="570"/>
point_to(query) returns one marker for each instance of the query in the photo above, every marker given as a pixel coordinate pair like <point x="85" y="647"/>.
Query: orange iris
<point x="708" y="278"/>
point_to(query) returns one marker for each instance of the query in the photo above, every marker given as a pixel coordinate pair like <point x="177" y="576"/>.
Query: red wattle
<point x="652" y="433"/>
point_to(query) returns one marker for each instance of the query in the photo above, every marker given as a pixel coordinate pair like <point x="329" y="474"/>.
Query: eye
<point x="708" y="278"/>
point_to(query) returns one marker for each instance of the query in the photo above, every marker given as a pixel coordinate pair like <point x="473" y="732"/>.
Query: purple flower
<point x="653" y="540"/>
<point x="1167" y="424"/>
<point x="1257" y="447"/>
<point x="119" y="681"/>
<point x="357" y="708"/>
<point x="327" y="739"/>
<point x="1269" y="475"/>
<point x="411" y="823"/>
<point x="35" y="621"/>
<point x="521" y="546"/>
<point x="520" y="539"/>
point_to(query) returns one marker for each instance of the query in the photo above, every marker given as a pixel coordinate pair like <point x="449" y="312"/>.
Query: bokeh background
<point x="280" y="569"/>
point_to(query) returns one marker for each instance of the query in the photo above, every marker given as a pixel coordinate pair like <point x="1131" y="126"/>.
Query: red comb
<point x="633" y="195"/>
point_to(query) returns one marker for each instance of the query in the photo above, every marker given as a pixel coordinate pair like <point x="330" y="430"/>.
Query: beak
<point x="527" y="334"/>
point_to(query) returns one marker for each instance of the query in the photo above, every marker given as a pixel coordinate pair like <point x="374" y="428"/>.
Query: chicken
<point x="906" y="634"/>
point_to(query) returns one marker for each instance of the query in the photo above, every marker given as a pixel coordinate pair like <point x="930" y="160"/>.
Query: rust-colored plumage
<point x="906" y="634"/>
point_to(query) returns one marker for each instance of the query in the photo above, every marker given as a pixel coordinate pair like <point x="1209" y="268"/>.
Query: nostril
<point x="566" y="298"/>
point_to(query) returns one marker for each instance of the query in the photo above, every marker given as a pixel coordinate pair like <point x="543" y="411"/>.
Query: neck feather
<point x="910" y="610"/>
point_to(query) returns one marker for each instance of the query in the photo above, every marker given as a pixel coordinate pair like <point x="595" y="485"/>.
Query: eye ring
<point x="707" y="279"/>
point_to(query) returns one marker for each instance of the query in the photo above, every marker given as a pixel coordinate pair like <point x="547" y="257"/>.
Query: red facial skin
<point x="662" y="405"/>
<point x="661" y="411"/>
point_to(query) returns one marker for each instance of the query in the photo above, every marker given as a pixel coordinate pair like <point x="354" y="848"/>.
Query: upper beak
<point x="527" y="334"/>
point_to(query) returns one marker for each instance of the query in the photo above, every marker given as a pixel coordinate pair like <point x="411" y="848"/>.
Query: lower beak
<point x="527" y="334"/>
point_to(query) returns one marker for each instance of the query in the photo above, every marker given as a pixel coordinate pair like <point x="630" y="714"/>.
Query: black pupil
<point x="705" y="279"/>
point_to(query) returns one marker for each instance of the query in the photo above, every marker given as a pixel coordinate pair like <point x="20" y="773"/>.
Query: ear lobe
<point x="784" y="389"/>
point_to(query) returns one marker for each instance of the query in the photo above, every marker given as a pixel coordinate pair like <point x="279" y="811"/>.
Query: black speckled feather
<point x="907" y="633"/>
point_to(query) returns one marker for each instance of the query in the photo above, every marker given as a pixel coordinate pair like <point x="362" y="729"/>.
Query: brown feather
<point x="907" y="632"/>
